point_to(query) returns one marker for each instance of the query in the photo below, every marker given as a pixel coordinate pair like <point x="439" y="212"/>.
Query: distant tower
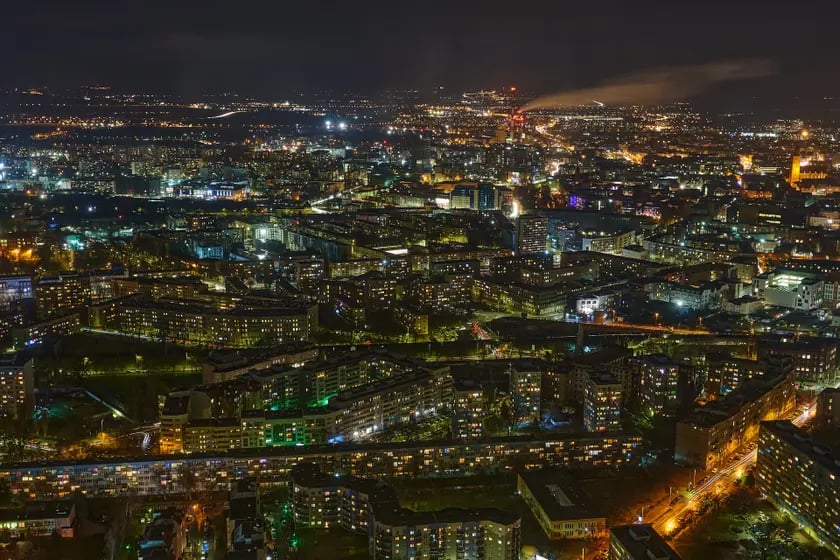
<point x="795" y="170"/>
<point x="531" y="234"/>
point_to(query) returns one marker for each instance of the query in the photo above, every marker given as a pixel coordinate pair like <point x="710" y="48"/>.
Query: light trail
<point x="226" y="115"/>
<point x="667" y="522"/>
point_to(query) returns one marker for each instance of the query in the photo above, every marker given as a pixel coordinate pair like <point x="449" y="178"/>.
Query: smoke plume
<point x="663" y="85"/>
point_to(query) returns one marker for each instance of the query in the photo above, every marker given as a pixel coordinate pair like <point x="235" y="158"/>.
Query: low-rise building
<point x="790" y="288"/>
<point x="40" y="520"/>
<point x="559" y="506"/>
<point x="245" y="526"/>
<point x="480" y="534"/>
<point x="224" y="365"/>
<point x="38" y="333"/>
<point x="639" y="542"/>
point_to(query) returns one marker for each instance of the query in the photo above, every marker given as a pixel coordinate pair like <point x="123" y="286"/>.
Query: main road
<point x="665" y="518"/>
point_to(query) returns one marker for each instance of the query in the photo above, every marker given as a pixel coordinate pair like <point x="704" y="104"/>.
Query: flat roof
<point x="407" y="517"/>
<point x="726" y="407"/>
<point x="643" y="542"/>
<point x="559" y="496"/>
<point x="800" y="440"/>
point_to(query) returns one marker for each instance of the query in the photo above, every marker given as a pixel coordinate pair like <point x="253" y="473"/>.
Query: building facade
<point x="710" y="436"/>
<point x="17" y="386"/>
<point x="160" y="475"/>
<point x="802" y="479"/>
<point x="603" y="403"/>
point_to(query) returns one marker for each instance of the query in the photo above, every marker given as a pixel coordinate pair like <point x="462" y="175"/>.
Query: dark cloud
<point x="273" y="49"/>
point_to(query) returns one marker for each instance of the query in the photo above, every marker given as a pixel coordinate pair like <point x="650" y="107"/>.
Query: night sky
<point x="274" y="49"/>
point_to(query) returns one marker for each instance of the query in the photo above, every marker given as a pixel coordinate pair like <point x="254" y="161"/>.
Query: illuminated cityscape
<point x="441" y="282"/>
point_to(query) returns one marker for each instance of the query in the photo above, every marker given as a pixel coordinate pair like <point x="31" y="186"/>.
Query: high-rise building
<point x="639" y="542"/>
<point x="659" y="383"/>
<point x="467" y="410"/>
<point x="602" y="403"/>
<point x="531" y="234"/>
<point x="525" y="387"/>
<point x="802" y="478"/>
<point x="17" y="386"/>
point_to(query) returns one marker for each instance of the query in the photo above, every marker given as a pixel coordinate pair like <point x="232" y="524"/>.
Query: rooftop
<point x="643" y="542"/>
<point x="559" y="496"/>
<point x="804" y="443"/>
<point x="726" y="407"/>
<point x="402" y="517"/>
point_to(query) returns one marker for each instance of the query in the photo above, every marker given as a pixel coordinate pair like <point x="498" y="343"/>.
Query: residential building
<point x="38" y="333"/>
<point x="449" y="534"/>
<point x="179" y="409"/>
<point x="525" y="387"/>
<point x="40" y="519"/>
<point x="468" y="409"/>
<point x="802" y="478"/>
<point x="606" y="241"/>
<point x="212" y="435"/>
<point x="639" y="542"/>
<point x="13" y="290"/>
<point x="17" y="386"/>
<point x="156" y="475"/>
<point x="659" y="379"/>
<point x="814" y="359"/>
<point x="559" y="506"/>
<point x="725" y="373"/>
<point x="828" y="407"/>
<point x="603" y="403"/>
<point x="325" y="501"/>
<point x="709" y="437"/>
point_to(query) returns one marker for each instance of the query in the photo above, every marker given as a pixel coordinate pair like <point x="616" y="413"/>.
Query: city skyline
<point x="273" y="51"/>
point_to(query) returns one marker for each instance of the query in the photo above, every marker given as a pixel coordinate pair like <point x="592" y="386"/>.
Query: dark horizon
<point x="274" y="51"/>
